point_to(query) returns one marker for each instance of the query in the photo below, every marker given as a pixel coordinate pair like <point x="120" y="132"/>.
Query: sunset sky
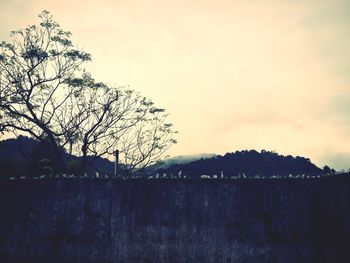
<point x="233" y="75"/>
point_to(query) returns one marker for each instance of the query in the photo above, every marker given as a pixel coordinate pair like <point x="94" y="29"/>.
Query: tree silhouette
<point x="46" y="93"/>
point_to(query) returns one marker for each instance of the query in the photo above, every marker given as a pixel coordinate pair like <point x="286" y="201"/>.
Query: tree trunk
<point x="84" y="159"/>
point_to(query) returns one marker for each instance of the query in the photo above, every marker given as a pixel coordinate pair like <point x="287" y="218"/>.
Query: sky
<point x="233" y="75"/>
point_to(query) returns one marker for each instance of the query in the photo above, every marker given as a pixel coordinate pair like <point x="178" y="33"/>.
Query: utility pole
<point x="116" y="162"/>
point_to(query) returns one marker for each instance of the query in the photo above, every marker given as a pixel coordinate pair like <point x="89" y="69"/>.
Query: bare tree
<point x="46" y="93"/>
<point x="103" y="119"/>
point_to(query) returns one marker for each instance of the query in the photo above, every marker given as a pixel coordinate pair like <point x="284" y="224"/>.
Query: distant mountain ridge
<point x="16" y="154"/>
<point x="17" y="150"/>
<point x="245" y="163"/>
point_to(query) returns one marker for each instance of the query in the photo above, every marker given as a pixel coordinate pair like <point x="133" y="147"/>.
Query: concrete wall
<point x="90" y="220"/>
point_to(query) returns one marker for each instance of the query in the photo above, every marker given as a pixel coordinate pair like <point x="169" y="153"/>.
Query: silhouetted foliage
<point x="42" y="160"/>
<point x="46" y="93"/>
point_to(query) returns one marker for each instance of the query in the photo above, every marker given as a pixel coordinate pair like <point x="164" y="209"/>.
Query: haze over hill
<point x="183" y="159"/>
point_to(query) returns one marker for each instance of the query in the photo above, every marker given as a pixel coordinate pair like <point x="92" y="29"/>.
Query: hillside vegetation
<point x="27" y="157"/>
<point x="248" y="164"/>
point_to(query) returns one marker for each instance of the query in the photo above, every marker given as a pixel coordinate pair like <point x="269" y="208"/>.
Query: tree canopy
<point x="45" y="92"/>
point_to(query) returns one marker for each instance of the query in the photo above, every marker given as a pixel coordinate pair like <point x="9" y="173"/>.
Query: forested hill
<point x="23" y="155"/>
<point x="26" y="156"/>
<point x="247" y="164"/>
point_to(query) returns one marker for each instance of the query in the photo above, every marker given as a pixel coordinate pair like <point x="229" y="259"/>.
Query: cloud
<point x="338" y="110"/>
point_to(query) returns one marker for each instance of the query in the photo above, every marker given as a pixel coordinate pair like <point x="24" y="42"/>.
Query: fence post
<point x="116" y="154"/>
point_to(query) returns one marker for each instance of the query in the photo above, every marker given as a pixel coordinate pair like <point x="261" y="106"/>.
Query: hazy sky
<point x="233" y="74"/>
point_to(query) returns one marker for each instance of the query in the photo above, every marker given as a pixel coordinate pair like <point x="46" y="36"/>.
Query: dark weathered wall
<point x="86" y="220"/>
